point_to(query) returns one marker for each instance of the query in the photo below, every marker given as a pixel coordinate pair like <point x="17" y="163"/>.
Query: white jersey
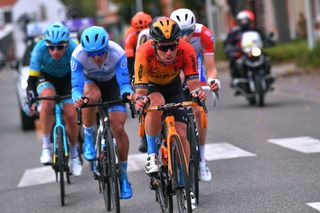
<point x="143" y="36"/>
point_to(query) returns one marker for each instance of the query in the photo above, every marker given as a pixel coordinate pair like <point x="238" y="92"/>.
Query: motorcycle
<point x="254" y="67"/>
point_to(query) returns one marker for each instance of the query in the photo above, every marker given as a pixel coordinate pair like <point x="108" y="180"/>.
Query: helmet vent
<point x="63" y="34"/>
<point x="186" y="17"/>
<point x="87" y="38"/>
<point x="192" y="20"/>
<point x="103" y="40"/>
<point x="96" y="37"/>
<point x="178" y="17"/>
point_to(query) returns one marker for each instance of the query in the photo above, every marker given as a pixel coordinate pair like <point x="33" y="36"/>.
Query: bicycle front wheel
<point x="59" y="141"/>
<point x="180" y="179"/>
<point x="114" y="170"/>
<point x="194" y="157"/>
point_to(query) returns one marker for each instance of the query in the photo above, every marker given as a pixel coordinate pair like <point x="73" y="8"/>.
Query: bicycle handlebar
<point x="103" y="104"/>
<point x="56" y="98"/>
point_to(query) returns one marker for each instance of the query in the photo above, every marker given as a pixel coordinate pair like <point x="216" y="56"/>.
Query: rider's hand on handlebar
<point x="140" y="102"/>
<point x="81" y="101"/>
<point x="127" y="97"/>
<point x="200" y="94"/>
<point x="214" y="84"/>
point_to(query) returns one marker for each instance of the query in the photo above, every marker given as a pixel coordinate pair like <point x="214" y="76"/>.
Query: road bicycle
<point x="173" y="178"/>
<point x="192" y="135"/>
<point x="60" y="160"/>
<point x="106" y="168"/>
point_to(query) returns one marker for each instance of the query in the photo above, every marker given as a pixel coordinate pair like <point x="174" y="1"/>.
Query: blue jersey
<point x="115" y="64"/>
<point x="42" y="62"/>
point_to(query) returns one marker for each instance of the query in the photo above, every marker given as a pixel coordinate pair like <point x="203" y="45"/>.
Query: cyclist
<point x="99" y="71"/>
<point x="50" y="74"/>
<point x="157" y="68"/>
<point x="139" y="21"/>
<point x="201" y="38"/>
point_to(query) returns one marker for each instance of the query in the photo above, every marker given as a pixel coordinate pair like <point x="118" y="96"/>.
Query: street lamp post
<point x="310" y="25"/>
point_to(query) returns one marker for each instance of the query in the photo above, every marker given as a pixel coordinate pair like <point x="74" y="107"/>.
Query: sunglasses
<point x="186" y="32"/>
<point x="98" y="53"/>
<point x="165" y="48"/>
<point x="58" y="47"/>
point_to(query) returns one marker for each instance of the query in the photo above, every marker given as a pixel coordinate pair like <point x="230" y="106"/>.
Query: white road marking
<point x="303" y="144"/>
<point x="37" y="176"/>
<point x="136" y="162"/>
<point x="218" y="151"/>
<point x="214" y="151"/>
<point x="315" y="205"/>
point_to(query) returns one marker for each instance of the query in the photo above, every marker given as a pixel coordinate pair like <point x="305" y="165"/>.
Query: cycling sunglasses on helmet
<point x="98" y="53"/>
<point x="165" y="48"/>
<point x="186" y="32"/>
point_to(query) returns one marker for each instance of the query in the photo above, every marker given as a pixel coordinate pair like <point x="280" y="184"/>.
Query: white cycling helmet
<point x="184" y="18"/>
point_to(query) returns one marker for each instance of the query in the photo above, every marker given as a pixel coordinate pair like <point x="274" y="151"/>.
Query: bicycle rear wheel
<point x="194" y="157"/>
<point x="59" y="141"/>
<point x="114" y="170"/>
<point x="163" y="192"/>
<point x="180" y="179"/>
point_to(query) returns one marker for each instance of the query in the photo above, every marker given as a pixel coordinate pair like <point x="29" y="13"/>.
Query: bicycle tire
<point x="114" y="170"/>
<point x="194" y="157"/>
<point x="104" y="185"/>
<point x="163" y="195"/>
<point x="59" y="141"/>
<point x="182" y="189"/>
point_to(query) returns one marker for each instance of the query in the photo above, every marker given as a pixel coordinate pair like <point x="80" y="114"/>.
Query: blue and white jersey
<point x="115" y="64"/>
<point x="42" y="62"/>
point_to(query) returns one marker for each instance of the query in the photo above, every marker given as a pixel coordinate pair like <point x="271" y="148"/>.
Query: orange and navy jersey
<point x="202" y="40"/>
<point x="130" y="42"/>
<point x="148" y="69"/>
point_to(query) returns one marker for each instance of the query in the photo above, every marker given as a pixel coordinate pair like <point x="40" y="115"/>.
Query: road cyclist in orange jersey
<point x="157" y="81"/>
<point x="139" y="21"/>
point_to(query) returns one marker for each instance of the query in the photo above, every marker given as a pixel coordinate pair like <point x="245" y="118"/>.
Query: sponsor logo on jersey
<point x="123" y="63"/>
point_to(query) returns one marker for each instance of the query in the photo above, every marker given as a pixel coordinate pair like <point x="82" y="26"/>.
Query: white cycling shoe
<point x="151" y="164"/>
<point x="205" y="174"/>
<point x="76" y="167"/>
<point x="46" y="156"/>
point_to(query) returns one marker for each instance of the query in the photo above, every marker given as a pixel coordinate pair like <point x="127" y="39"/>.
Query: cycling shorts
<point x="172" y="93"/>
<point x="62" y="86"/>
<point x="110" y="91"/>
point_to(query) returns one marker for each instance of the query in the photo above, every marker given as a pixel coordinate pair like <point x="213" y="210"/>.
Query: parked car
<point x="22" y="67"/>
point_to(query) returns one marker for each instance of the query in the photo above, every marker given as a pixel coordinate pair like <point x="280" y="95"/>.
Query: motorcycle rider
<point x="232" y="45"/>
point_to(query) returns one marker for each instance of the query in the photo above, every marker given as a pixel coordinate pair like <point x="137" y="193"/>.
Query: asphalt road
<point x="262" y="159"/>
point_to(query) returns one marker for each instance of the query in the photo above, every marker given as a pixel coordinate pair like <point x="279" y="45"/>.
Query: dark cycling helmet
<point x="57" y="33"/>
<point x="243" y="20"/>
<point x="140" y="21"/>
<point x="164" y="29"/>
<point x="94" y="39"/>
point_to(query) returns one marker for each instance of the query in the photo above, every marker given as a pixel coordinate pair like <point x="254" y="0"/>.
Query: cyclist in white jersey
<point x="202" y="40"/>
<point x="99" y="71"/>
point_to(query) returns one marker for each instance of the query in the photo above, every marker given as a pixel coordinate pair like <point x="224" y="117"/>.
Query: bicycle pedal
<point x="154" y="183"/>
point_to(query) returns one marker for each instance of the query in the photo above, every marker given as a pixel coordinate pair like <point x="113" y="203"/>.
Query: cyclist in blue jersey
<point x="50" y="74"/>
<point x="99" y="71"/>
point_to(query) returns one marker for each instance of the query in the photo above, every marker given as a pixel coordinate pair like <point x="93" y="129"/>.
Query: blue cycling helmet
<point x="57" y="33"/>
<point x="94" y="39"/>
